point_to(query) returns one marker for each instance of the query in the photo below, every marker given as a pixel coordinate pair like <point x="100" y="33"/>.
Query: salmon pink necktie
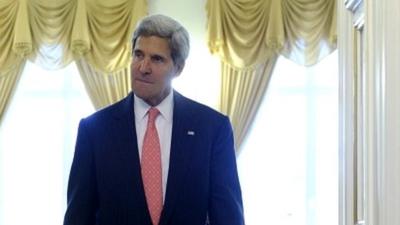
<point x="151" y="167"/>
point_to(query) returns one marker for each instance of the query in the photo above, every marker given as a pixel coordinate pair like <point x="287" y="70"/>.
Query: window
<point x="37" y="141"/>
<point x="288" y="166"/>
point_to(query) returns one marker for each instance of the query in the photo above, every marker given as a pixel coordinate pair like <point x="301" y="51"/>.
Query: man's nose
<point x="144" y="66"/>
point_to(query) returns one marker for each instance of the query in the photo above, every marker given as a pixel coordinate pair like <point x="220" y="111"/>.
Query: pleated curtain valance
<point x="56" y="32"/>
<point x="244" y="33"/>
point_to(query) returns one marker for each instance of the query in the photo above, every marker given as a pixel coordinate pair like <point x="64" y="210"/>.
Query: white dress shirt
<point x="164" y="129"/>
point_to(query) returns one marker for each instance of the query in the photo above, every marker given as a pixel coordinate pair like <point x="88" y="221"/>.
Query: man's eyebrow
<point x="157" y="55"/>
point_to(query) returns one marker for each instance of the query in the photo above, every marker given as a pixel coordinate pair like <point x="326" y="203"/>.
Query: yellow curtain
<point x="54" y="33"/>
<point x="104" y="88"/>
<point x="250" y="34"/>
<point x="11" y="54"/>
<point x="103" y="38"/>
<point x="8" y="81"/>
<point x="242" y="92"/>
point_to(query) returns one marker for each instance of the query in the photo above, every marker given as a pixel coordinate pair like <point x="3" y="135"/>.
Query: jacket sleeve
<point x="225" y="206"/>
<point x="82" y="190"/>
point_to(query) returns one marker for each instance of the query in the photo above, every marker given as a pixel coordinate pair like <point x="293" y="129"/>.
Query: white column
<point x="373" y="95"/>
<point x="389" y="154"/>
<point x="347" y="111"/>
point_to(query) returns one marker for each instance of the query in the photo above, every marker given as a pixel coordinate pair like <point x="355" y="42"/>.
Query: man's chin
<point x="149" y="99"/>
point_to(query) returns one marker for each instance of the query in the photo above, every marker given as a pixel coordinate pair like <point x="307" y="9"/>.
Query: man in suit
<point x="190" y="180"/>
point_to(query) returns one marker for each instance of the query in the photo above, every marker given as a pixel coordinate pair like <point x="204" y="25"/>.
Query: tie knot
<point x="153" y="113"/>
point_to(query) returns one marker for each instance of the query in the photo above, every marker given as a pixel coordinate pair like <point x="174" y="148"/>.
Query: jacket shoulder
<point x="198" y="112"/>
<point x="105" y="116"/>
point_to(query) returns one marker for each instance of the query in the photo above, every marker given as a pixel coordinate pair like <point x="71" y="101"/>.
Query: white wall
<point x="200" y="78"/>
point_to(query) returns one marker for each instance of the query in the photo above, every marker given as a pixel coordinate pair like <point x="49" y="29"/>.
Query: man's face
<point x="152" y="69"/>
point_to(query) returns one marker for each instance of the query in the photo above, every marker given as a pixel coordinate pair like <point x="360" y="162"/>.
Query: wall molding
<point x="351" y="118"/>
<point x="357" y="9"/>
<point x="369" y="112"/>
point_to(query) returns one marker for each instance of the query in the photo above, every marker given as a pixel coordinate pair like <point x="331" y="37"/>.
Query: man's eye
<point x="157" y="58"/>
<point x="137" y="54"/>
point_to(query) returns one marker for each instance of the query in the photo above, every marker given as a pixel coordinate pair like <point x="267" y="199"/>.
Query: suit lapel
<point x="126" y="130"/>
<point x="179" y="155"/>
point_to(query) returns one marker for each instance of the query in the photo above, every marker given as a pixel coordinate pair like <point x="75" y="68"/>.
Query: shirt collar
<point x="165" y="107"/>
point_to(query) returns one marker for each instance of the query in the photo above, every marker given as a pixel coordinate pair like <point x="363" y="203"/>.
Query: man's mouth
<point x="143" y="81"/>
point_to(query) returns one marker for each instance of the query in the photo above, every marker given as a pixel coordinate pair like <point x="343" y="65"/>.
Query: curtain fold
<point x="51" y="25"/>
<point x="241" y="94"/>
<point x="22" y="43"/>
<point x="249" y="35"/>
<point x="13" y="48"/>
<point x="310" y="30"/>
<point x="110" y="25"/>
<point x="57" y="32"/>
<point x="8" y="84"/>
<point x="52" y="34"/>
<point x="244" y="33"/>
<point x="104" y="88"/>
<point x="9" y="11"/>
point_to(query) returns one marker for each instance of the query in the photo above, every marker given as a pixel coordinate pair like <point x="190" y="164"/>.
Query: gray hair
<point x="168" y="28"/>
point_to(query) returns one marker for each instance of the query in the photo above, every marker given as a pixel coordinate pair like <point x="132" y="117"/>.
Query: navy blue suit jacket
<point x="105" y="185"/>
